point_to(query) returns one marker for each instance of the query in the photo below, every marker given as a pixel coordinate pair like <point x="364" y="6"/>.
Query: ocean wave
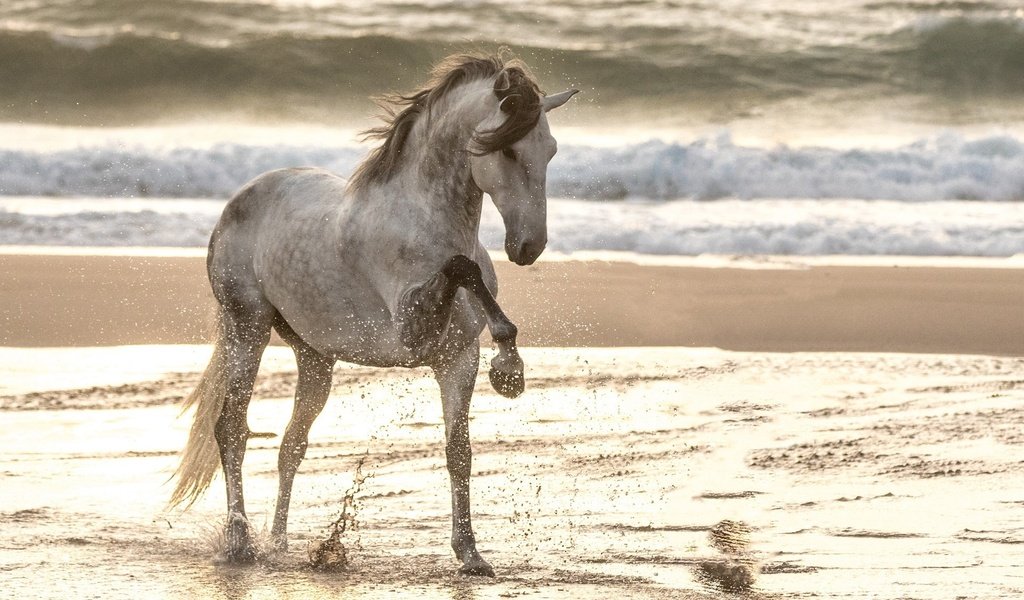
<point x="945" y="166"/>
<point x="185" y="172"/>
<point x="131" y="77"/>
<point x="970" y="55"/>
<point x="85" y="72"/>
<point x="97" y="228"/>
<point x="687" y="228"/>
<point x="785" y="227"/>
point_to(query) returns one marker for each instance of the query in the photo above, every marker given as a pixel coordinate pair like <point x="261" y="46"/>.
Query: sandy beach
<point x="774" y="347"/>
<point x="828" y="431"/>
<point x="88" y="300"/>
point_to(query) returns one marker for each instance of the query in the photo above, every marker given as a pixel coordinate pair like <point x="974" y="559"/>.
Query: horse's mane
<point x="519" y="94"/>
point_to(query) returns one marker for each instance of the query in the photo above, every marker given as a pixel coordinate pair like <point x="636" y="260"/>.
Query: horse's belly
<point x="334" y="312"/>
<point x="370" y="337"/>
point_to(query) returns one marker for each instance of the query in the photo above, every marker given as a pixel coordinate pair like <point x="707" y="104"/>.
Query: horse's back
<point x="273" y="208"/>
<point x="274" y="191"/>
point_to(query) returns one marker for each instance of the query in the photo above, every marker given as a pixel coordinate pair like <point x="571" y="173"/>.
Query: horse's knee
<point x="293" y="448"/>
<point x="227" y="436"/>
<point x="462" y="270"/>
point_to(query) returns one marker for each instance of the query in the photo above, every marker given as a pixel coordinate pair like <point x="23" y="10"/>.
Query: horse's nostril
<point x="529" y="251"/>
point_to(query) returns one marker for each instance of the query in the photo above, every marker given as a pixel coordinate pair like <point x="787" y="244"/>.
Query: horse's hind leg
<point x="311" y="394"/>
<point x="456" y="377"/>
<point x="246" y="333"/>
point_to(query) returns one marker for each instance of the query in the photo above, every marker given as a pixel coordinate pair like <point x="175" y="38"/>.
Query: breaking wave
<point x="682" y="227"/>
<point x="99" y="64"/>
<point x="943" y="167"/>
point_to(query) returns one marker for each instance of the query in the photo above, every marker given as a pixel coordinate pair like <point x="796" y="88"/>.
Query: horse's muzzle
<point x="524" y="253"/>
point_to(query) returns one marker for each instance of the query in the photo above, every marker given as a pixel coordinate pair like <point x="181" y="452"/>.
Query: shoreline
<point x="705" y="261"/>
<point x="62" y="298"/>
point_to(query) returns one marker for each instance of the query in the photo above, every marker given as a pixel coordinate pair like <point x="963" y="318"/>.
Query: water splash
<point x="330" y="554"/>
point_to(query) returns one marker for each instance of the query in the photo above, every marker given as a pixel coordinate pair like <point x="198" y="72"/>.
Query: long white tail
<point x="201" y="457"/>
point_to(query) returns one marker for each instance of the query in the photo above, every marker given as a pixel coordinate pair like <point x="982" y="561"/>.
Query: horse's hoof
<point x="507" y="384"/>
<point x="241" y="556"/>
<point x="239" y="548"/>
<point x="477" y="568"/>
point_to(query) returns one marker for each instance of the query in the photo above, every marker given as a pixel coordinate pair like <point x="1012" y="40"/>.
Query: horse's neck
<point x="437" y="178"/>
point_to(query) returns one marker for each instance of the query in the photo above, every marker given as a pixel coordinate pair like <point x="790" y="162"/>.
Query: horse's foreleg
<point x="506" y="372"/>
<point x="310" y="396"/>
<point x="245" y="340"/>
<point x="425" y="311"/>
<point x="456" y="377"/>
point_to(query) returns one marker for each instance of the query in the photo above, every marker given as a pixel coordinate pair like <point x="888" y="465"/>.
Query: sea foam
<point x="946" y="195"/>
<point x="681" y="227"/>
<point x="942" y="167"/>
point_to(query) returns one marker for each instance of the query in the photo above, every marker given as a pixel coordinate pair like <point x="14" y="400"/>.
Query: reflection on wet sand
<point x="643" y="473"/>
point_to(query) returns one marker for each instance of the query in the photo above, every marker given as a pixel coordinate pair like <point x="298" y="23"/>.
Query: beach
<point x="774" y="347"/>
<point x="853" y="430"/>
<point x="67" y="297"/>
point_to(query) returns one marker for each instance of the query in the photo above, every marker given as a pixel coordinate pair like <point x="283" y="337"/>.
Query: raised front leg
<point x="456" y="377"/>
<point x="425" y="311"/>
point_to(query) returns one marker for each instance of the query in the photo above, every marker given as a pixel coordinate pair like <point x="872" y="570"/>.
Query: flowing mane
<point x="518" y="93"/>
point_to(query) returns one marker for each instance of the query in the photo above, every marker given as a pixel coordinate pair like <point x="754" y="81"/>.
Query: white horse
<point x="383" y="270"/>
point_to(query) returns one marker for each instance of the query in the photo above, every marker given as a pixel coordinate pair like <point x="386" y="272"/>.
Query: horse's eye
<point x="509" y="153"/>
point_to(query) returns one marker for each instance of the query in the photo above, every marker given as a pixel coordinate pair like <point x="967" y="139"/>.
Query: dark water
<point x="127" y="61"/>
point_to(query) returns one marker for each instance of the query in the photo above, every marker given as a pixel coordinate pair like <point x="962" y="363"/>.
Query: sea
<point x="704" y="127"/>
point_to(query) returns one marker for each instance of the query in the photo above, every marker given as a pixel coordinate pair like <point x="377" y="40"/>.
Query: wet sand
<point x="48" y="300"/>
<point x="642" y="472"/>
<point x="840" y="475"/>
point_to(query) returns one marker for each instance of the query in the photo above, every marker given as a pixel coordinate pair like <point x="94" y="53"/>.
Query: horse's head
<point x="509" y="161"/>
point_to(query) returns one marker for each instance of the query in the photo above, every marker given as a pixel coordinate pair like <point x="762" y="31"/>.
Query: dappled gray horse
<point x="383" y="270"/>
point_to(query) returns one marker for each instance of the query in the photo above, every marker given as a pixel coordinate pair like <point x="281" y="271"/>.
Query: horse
<point x="384" y="269"/>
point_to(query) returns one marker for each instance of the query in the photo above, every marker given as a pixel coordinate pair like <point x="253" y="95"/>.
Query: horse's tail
<point x="201" y="457"/>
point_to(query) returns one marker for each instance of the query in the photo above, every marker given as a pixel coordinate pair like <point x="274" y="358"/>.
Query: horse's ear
<point x="554" y="101"/>
<point x="503" y="82"/>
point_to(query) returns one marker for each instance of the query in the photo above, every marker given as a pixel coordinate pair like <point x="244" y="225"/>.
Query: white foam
<point x="946" y="166"/>
<point x="785" y="201"/>
<point x="941" y="167"/>
<point x="679" y="228"/>
<point x="781" y="227"/>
